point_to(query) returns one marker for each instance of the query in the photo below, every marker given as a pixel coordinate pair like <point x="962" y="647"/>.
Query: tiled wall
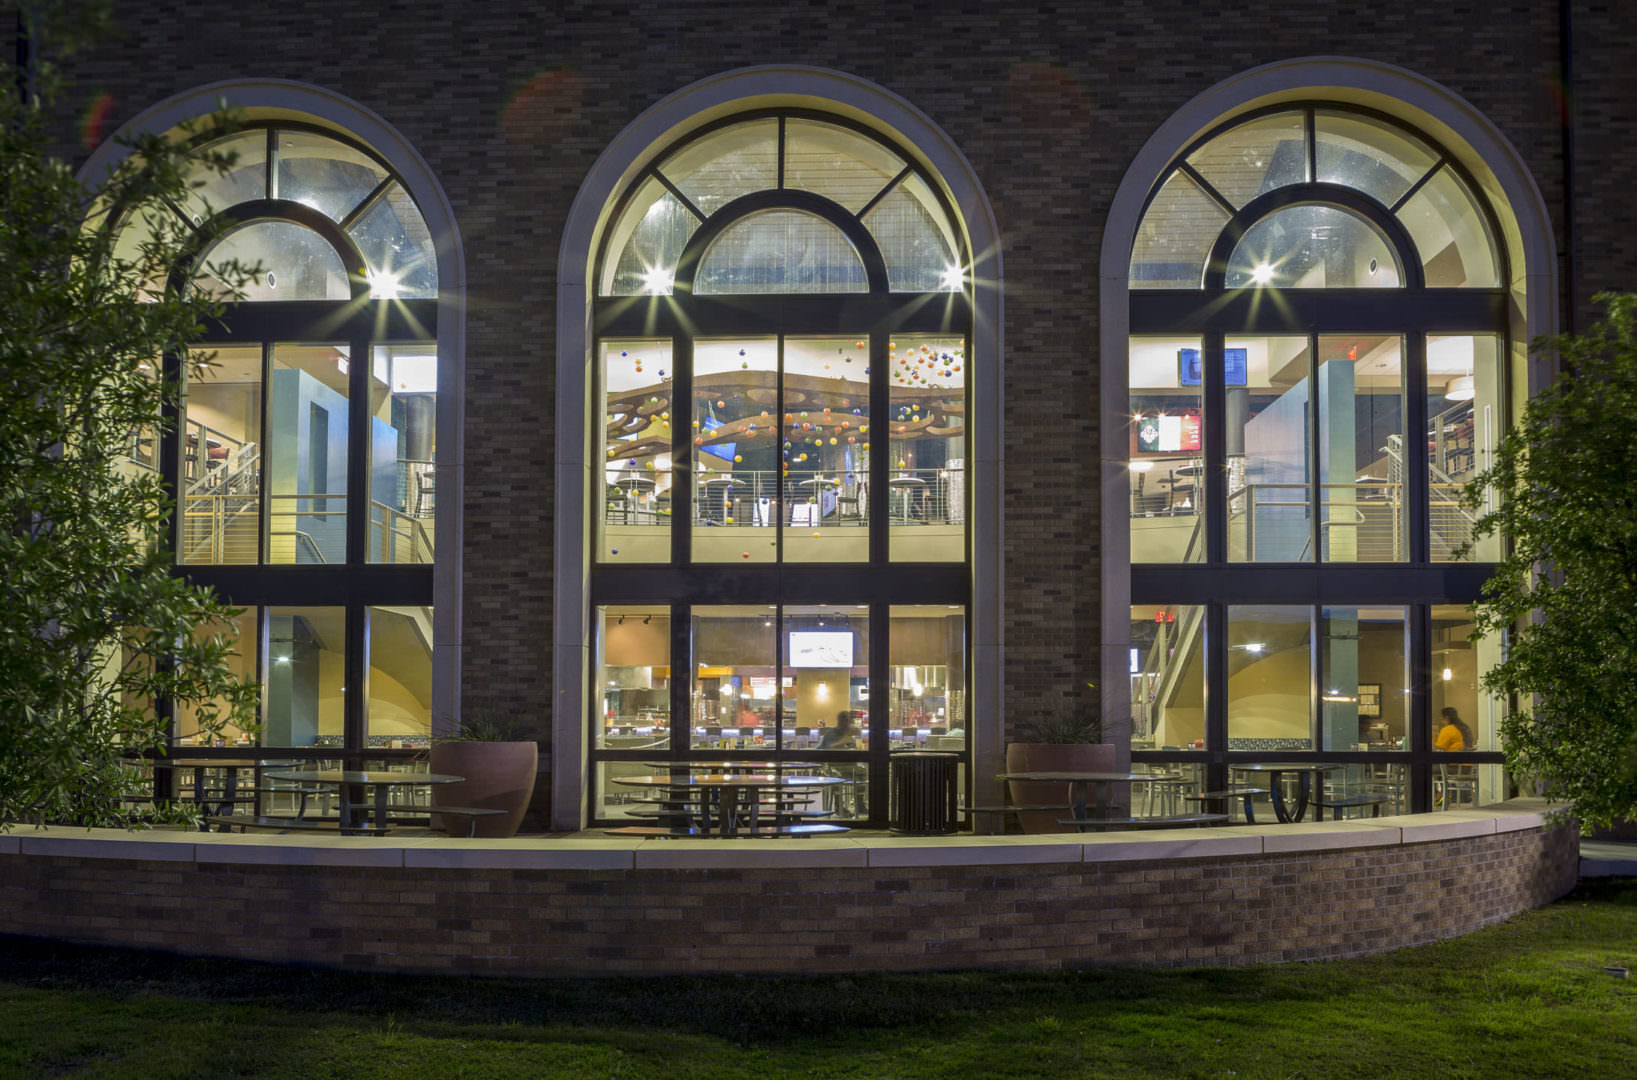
<point x="1102" y="908"/>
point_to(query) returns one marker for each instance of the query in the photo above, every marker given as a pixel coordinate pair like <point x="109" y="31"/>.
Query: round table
<point x="348" y="779"/>
<point x="1304" y="770"/>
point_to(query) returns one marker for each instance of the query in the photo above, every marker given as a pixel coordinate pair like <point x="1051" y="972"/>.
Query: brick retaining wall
<point x="586" y="906"/>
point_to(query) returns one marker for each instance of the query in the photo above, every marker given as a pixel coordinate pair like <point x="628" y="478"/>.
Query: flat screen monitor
<point x="1235" y="367"/>
<point x="820" y="649"/>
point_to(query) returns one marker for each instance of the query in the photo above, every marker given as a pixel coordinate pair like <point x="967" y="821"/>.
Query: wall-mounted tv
<point x="820" y="649"/>
<point x="1235" y="365"/>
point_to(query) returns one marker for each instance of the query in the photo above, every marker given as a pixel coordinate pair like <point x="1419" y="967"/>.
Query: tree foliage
<point x="1567" y="593"/>
<point x="94" y="626"/>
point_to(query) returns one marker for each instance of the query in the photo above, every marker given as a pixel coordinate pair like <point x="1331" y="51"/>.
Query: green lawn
<point x="1527" y="999"/>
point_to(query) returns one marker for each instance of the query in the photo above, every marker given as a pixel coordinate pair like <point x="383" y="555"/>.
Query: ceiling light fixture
<point x="1460" y="388"/>
<point x="1262" y="273"/>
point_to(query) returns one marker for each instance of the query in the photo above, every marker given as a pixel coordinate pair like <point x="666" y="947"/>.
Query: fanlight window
<point x="1308" y="154"/>
<point x="781" y="251"/>
<point x="1313" y="247"/>
<point x="861" y="177"/>
<point x="296" y="263"/>
<point x="279" y="166"/>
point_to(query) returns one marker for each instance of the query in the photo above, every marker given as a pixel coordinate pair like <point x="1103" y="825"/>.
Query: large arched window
<point x="1319" y="323"/>
<point x="782" y="325"/>
<point x="302" y="459"/>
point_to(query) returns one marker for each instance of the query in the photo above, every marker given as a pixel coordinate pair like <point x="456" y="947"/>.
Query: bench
<point x="470" y="813"/>
<point x="1245" y="793"/>
<point x="1170" y="821"/>
<point x="1373" y="800"/>
<point x="246" y="821"/>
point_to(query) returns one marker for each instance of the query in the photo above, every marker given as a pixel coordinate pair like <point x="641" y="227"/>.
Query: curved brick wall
<point x="595" y="905"/>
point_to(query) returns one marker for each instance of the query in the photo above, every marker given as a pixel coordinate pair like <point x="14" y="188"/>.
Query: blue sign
<point x="1235" y="363"/>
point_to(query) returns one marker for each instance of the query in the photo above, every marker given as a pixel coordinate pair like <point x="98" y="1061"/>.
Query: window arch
<point x="1312" y="283"/>
<point x="303" y="457"/>
<point x="773" y="289"/>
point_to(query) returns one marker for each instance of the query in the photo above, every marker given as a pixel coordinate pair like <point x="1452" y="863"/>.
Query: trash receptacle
<point x="923" y="791"/>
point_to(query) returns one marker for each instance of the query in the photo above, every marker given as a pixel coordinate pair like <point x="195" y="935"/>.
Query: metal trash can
<point x="923" y="791"/>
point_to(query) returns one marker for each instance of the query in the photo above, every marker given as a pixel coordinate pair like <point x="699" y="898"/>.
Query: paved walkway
<point x="1601" y="858"/>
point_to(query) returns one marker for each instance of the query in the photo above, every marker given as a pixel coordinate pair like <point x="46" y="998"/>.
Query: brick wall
<point x="1150" y="912"/>
<point x="511" y="102"/>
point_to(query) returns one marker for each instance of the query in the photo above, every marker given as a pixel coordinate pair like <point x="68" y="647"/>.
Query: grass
<point x="1528" y="999"/>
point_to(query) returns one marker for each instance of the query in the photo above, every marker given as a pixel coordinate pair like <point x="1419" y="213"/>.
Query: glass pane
<point x="296" y="263"/>
<point x="246" y="181"/>
<point x="647" y="242"/>
<point x="1364" y="680"/>
<point x="1255" y="158"/>
<point x="633" y="703"/>
<point x="1458" y="665"/>
<point x="329" y="176"/>
<point x="722" y="166"/>
<point x="735" y="421"/>
<point x="927" y="654"/>
<point x="1464" y="420"/>
<point x="1176" y="236"/>
<point x="826" y="676"/>
<point x="305" y="679"/>
<point x="1451" y="235"/>
<point x="839" y="164"/>
<point x="1312" y="247"/>
<point x="1269" y="678"/>
<point x="826" y="465"/>
<point x="1371" y="155"/>
<point x="403" y="442"/>
<point x="1167" y="469"/>
<point x="1361" y="476"/>
<point x="915" y="239"/>
<point x="400" y="676"/>
<point x="307" y="455"/>
<point x="735" y="699"/>
<point x="400" y="261"/>
<point x="635" y="376"/>
<point x="221" y="459"/>
<point x="1167" y="677"/>
<point x="159" y="225"/>
<point x="926" y="500"/>
<point x="243" y="666"/>
<point x="781" y="251"/>
<point x="1269" y="462"/>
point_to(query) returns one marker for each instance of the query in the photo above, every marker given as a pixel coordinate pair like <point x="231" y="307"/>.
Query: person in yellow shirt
<point x="1454" y="734"/>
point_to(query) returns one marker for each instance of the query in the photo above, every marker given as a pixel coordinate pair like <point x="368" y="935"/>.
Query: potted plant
<point x="499" y="770"/>
<point x="1064" y="741"/>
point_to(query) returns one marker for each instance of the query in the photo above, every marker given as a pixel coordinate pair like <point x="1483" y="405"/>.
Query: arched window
<point x="302" y="458"/>
<point x="782" y="325"/>
<point x="1318" y="328"/>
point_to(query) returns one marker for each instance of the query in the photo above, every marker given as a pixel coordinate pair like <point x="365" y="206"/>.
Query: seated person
<point x="1454" y="734"/>
<point x="841" y="736"/>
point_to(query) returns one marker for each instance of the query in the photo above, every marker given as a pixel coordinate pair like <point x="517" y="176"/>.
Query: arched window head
<point x="745" y="180"/>
<point x="1325" y="198"/>
<point x="306" y="204"/>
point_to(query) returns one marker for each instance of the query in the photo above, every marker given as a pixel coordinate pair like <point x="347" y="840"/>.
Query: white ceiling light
<point x="1460" y="388"/>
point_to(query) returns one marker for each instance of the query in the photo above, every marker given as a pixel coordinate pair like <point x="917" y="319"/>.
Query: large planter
<point x="1051" y="757"/>
<point x="499" y="776"/>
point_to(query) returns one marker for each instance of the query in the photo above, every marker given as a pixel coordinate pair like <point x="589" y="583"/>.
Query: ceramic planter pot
<point x="1051" y="757"/>
<point x="499" y="776"/>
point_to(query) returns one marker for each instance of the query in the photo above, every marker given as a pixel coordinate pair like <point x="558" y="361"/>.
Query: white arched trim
<point x="1422" y="104"/>
<point x="630" y="151"/>
<point x="284" y="99"/>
